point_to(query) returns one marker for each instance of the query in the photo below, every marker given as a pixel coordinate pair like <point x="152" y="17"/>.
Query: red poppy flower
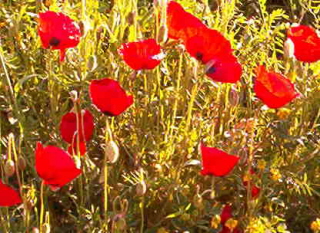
<point x="207" y="44"/>
<point x="8" y="196"/>
<point x="68" y="126"/>
<point x="73" y="148"/>
<point x="211" y="48"/>
<point x="224" y="69"/>
<point x="58" y="31"/>
<point x="109" y="97"/>
<point x="273" y="89"/>
<point x="55" y="166"/>
<point x="141" y="55"/>
<point x="181" y="24"/>
<point x="216" y="162"/>
<point x="306" y="43"/>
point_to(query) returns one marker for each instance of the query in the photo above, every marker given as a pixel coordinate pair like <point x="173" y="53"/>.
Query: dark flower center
<point x="54" y="41"/>
<point x="199" y="56"/>
<point x="211" y="70"/>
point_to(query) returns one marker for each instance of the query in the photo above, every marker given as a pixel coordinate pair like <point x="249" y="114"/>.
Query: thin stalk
<point x="42" y="205"/>
<point x="142" y="214"/>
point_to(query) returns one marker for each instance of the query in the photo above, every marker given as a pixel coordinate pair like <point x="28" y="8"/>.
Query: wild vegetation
<point x="141" y="171"/>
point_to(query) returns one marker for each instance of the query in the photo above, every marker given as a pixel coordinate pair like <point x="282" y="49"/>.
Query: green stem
<point x="42" y="205"/>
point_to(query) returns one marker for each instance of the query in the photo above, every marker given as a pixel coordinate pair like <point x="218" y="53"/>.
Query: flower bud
<point x="141" y="188"/>
<point x="120" y="222"/>
<point x="288" y="49"/>
<point x="233" y="97"/>
<point x="9" y="168"/>
<point x="22" y="163"/>
<point x="112" y="151"/>
<point x="215" y="221"/>
<point x="162" y="34"/>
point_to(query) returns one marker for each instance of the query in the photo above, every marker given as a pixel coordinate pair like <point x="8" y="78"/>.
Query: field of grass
<point x="155" y="185"/>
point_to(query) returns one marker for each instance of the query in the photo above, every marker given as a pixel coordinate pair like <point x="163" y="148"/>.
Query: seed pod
<point x="35" y="230"/>
<point x="22" y="163"/>
<point x="112" y="151"/>
<point x="120" y="222"/>
<point x="131" y="17"/>
<point x="233" y="97"/>
<point x="141" y="188"/>
<point x="9" y="168"/>
<point x="288" y="48"/>
<point x="163" y="34"/>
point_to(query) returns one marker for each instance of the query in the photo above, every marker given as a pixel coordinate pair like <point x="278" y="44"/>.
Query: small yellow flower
<point x="283" y="113"/>
<point x="231" y="223"/>
<point x="315" y="225"/>
<point x="215" y="221"/>
<point x="162" y="230"/>
<point x="275" y="174"/>
<point x="261" y="164"/>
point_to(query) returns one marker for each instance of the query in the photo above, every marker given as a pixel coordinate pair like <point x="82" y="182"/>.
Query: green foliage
<point x="176" y="107"/>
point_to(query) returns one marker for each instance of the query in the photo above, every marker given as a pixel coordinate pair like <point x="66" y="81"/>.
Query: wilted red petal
<point x="306" y="43"/>
<point x="216" y="162"/>
<point x="226" y="213"/>
<point x="55" y="166"/>
<point x="273" y="89"/>
<point x="225" y="68"/>
<point x="141" y="55"/>
<point x="109" y="97"/>
<point x="207" y="44"/>
<point x="68" y="126"/>
<point x="8" y="196"/>
<point x="73" y="148"/>
<point x="58" y="31"/>
<point x="181" y="24"/>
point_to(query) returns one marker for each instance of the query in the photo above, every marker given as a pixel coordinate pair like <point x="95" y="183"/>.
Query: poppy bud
<point x="141" y="188"/>
<point x="112" y="151"/>
<point x="198" y="201"/>
<point x="9" y="168"/>
<point x="163" y="34"/>
<point x="35" y="230"/>
<point x="234" y="97"/>
<point x="120" y="222"/>
<point x="22" y="163"/>
<point x="74" y="95"/>
<point x="45" y="228"/>
<point x="288" y="48"/>
<point x="130" y="17"/>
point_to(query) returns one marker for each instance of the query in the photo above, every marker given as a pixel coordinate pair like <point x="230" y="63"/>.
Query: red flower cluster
<point x="216" y="162"/>
<point x="109" y="97"/>
<point x="8" y="196"/>
<point x="273" y="89"/>
<point x="141" y="55"/>
<point x="225" y="215"/>
<point x="206" y="45"/>
<point x="71" y="124"/>
<point x="58" y="31"/>
<point x="306" y="43"/>
<point x="55" y="166"/>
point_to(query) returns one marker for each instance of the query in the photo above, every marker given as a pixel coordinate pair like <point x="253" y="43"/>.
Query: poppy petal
<point x="8" y="196"/>
<point x="58" y="31"/>
<point x="73" y="148"/>
<point x="306" y="43"/>
<point x="181" y="24"/>
<point x="141" y="55"/>
<point x="273" y="89"/>
<point x="68" y="126"/>
<point x="226" y="213"/>
<point x="55" y="166"/>
<point x="109" y="97"/>
<point x="216" y="162"/>
<point x="224" y="69"/>
<point x="207" y="44"/>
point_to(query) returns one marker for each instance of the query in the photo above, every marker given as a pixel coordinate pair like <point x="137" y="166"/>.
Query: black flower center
<point x="211" y="70"/>
<point x="54" y="41"/>
<point x="199" y="56"/>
